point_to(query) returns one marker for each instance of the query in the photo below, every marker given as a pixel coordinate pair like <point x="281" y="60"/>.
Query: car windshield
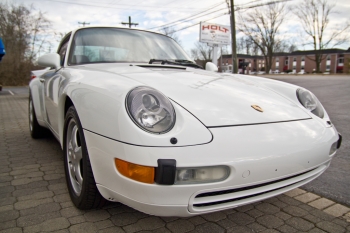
<point x="100" y="45"/>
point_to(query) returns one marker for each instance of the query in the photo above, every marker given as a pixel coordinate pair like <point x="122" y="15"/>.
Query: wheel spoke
<point x="78" y="154"/>
<point x="74" y="137"/>
<point x="78" y="176"/>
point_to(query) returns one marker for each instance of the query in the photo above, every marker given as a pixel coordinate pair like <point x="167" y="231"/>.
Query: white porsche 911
<point x="139" y="123"/>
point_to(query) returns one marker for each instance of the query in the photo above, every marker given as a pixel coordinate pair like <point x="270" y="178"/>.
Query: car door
<point x="52" y="82"/>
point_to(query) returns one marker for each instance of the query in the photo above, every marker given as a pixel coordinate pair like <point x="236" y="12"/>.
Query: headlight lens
<point x="201" y="174"/>
<point x="150" y="110"/>
<point x="310" y="102"/>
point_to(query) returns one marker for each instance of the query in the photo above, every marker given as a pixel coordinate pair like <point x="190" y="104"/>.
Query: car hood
<point x="216" y="99"/>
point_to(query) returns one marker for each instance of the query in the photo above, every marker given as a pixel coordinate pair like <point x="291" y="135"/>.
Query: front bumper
<point x="265" y="160"/>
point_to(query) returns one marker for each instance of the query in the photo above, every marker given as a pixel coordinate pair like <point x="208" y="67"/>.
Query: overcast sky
<point x="65" y="15"/>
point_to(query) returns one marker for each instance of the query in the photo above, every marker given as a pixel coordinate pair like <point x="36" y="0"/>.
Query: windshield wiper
<point x="176" y="62"/>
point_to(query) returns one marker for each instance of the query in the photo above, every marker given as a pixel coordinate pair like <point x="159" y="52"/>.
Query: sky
<point x="65" y="15"/>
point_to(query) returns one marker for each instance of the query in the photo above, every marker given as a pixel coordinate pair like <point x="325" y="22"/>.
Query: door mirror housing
<point x="50" y="60"/>
<point x="211" y="67"/>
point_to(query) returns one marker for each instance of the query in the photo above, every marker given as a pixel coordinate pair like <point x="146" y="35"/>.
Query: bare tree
<point x="261" y="26"/>
<point x="314" y="15"/>
<point x="202" y="52"/>
<point x="23" y="33"/>
<point x="170" y="31"/>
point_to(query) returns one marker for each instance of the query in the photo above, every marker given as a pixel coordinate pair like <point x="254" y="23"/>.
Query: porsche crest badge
<point x="257" y="108"/>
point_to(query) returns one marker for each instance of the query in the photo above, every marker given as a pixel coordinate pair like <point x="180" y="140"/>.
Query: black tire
<point x="80" y="179"/>
<point x="36" y="131"/>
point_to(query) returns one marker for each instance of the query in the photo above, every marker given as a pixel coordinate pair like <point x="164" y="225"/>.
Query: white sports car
<point x="139" y="123"/>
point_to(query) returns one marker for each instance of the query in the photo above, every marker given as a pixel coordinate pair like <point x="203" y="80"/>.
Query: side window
<point x="62" y="51"/>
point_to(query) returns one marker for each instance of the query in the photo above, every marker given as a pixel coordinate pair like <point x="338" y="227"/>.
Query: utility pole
<point x="130" y="23"/>
<point x="83" y="23"/>
<point x="233" y="35"/>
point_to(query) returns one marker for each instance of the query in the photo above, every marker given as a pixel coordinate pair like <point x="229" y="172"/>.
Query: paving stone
<point x="214" y="217"/>
<point x="151" y="223"/>
<point x="169" y="219"/>
<point x="283" y="215"/>
<point x="12" y="230"/>
<point x="267" y="208"/>
<point x="295" y="192"/>
<point x="66" y="204"/>
<point x="104" y="224"/>
<point x="71" y="212"/>
<point x="295" y="211"/>
<point x="288" y="200"/>
<point x="180" y="226"/>
<point x="7" y="225"/>
<point x="24" y="181"/>
<point x="5" y="208"/>
<point x="312" y="218"/>
<point x="140" y="215"/>
<point x="256" y="227"/>
<point x="7" y="189"/>
<point x="306" y="207"/>
<point x="86" y="227"/>
<point x="322" y="215"/>
<point x="286" y="229"/>
<point x="340" y="222"/>
<point x="76" y="220"/>
<point x="41" y="209"/>
<point x="239" y="229"/>
<point x="270" y="221"/>
<point x="53" y="176"/>
<point x="36" y="219"/>
<point x="330" y="227"/>
<point x="33" y="185"/>
<point x="321" y="203"/>
<point x="49" y="225"/>
<point x="245" y="208"/>
<point x="25" y="192"/>
<point x="240" y="218"/>
<point x="226" y="223"/>
<point x="30" y="175"/>
<point x="123" y="219"/>
<point x="8" y="215"/>
<point x="209" y="227"/>
<point x="97" y="215"/>
<point x="316" y="230"/>
<point x="159" y="230"/>
<point x="197" y="220"/>
<point x="112" y="230"/>
<point x="62" y="198"/>
<point x="254" y="213"/>
<point x="307" y="197"/>
<point x="337" y="210"/>
<point x="132" y="228"/>
<point x="21" y="205"/>
<point x="300" y="224"/>
<point x="36" y="196"/>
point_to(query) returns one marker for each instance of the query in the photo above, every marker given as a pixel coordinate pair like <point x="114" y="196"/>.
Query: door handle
<point x="42" y="80"/>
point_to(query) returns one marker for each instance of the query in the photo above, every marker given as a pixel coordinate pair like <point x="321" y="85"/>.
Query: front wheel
<point x="80" y="179"/>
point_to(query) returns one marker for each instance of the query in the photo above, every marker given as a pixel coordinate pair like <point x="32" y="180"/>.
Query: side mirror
<point x="50" y="60"/>
<point x="211" y="67"/>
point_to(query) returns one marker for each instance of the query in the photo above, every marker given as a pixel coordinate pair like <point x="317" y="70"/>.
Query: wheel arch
<point x="64" y="104"/>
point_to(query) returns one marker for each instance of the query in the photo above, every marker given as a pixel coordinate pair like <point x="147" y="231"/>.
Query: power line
<point x="184" y="21"/>
<point x="178" y="20"/>
<point x="129" y="23"/>
<point x="200" y="22"/>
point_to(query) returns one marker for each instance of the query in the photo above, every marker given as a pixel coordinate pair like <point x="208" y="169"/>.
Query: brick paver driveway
<point x="34" y="197"/>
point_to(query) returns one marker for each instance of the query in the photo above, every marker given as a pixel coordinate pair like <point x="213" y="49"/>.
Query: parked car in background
<point x="142" y="124"/>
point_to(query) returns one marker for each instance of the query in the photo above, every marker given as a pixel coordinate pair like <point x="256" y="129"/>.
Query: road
<point x="334" y="93"/>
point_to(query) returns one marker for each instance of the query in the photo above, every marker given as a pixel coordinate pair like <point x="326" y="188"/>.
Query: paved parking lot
<point x="34" y="197"/>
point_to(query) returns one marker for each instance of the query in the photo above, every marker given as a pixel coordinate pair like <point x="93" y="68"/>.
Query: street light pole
<point x="233" y="37"/>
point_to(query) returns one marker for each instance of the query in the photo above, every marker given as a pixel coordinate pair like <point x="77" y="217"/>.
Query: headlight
<point x="150" y="110"/>
<point x="201" y="174"/>
<point x="310" y="102"/>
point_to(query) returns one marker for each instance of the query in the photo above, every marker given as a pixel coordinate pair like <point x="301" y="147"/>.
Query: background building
<point x="333" y="61"/>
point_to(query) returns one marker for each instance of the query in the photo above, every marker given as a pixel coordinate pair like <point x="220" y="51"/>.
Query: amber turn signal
<point x="136" y="172"/>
